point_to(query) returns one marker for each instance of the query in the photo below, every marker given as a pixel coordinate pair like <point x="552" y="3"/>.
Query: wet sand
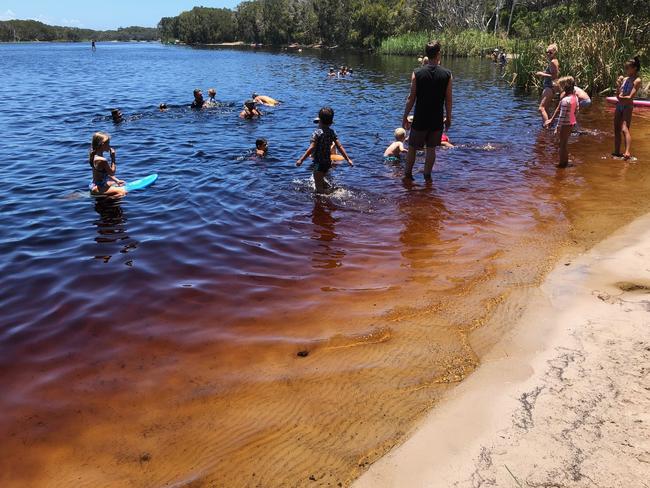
<point x="562" y="400"/>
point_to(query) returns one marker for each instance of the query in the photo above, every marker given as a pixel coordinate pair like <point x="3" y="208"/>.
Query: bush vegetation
<point x="32" y="30"/>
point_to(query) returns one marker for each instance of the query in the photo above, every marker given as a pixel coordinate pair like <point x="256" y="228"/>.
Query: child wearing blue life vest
<point x="627" y="89"/>
<point x="320" y="147"/>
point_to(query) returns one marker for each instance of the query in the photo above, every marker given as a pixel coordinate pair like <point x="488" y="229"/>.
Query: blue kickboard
<point x="141" y="183"/>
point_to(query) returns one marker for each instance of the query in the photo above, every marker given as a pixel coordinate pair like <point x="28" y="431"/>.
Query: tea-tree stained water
<point x="226" y="327"/>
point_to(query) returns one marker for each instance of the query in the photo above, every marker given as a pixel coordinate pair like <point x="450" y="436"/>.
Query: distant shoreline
<point x="66" y="41"/>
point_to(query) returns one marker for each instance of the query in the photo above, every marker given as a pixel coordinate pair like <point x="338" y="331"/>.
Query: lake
<point x="224" y="327"/>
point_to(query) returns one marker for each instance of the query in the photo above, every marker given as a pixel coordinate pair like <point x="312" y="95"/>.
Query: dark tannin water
<point x="225" y="327"/>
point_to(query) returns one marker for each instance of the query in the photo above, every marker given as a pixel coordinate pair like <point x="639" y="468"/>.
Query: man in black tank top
<point x="431" y="93"/>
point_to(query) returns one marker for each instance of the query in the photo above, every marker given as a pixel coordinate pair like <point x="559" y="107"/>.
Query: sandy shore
<point x="563" y="400"/>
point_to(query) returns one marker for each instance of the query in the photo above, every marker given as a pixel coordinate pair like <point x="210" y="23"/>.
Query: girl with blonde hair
<point x="104" y="183"/>
<point x="548" y="76"/>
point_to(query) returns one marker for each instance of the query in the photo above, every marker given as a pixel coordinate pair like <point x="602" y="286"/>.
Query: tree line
<point x="32" y="30"/>
<point x="366" y="23"/>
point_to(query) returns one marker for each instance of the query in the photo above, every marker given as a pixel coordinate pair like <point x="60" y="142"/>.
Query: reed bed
<point x="594" y="55"/>
<point x="462" y="44"/>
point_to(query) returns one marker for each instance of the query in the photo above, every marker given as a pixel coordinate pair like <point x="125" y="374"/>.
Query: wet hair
<point x="250" y="104"/>
<point x="259" y="143"/>
<point x="255" y="95"/>
<point x="162" y="106"/>
<point x="563" y="82"/>
<point x="98" y="140"/>
<point x="433" y="49"/>
<point x="212" y="91"/>
<point x="326" y="115"/>
<point x="567" y="84"/>
<point x="400" y="133"/>
<point x="197" y="91"/>
<point x="634" y="62"/>
<point x="116" y="114"/>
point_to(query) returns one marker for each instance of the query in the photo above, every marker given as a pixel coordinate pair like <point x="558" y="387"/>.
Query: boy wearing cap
<point x="320" y="147"/>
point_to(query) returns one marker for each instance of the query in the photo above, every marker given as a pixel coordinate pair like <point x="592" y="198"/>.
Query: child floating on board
<point x="104" y="183"/>
<point x="320" y="148"/>
<point x="264" y="100"/>
<point x="626" y="90"/>
<point x="394" y="151"/>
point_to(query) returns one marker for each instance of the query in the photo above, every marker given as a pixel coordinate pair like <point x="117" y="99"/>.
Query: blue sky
<point x="101" y="14"/>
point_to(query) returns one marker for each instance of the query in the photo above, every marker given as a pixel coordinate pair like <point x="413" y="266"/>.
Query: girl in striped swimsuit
<point x="567" y="120"/>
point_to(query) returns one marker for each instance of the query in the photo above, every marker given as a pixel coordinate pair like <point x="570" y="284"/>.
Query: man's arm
<point x="449" y="102"/>
<point x="410" y="101"/>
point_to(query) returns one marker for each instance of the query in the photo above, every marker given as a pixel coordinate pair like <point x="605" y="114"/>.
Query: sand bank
<point x="563" y="400"/>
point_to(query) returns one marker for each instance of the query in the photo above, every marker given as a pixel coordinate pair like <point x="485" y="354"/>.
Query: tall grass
<point x="593" y="55"/>
<point x="464" y="43"/>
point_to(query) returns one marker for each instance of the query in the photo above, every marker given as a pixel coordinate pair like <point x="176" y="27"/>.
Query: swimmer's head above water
<point x="212" y="93"/>
<point x="249" y="104"/>
<point x="116" y="114"/>
<point x="261" y="147"/>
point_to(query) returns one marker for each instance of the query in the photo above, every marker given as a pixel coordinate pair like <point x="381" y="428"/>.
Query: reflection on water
<point x="327" y="255"/>
<point x="111" y="227"/>
<point x="226" y="328"/>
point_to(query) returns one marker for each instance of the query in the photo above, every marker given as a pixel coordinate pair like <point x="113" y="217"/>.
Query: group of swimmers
<point x="341" y="73"/>
<point x="573" y="98"/>
<point x="431" y="95"/>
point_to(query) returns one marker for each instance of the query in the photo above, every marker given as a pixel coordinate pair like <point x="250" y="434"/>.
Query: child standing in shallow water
<point x="320" y="146"/>
<point x="626" y="91"/>
<point x="567" y="121"/>
<point x="104" y="182"/>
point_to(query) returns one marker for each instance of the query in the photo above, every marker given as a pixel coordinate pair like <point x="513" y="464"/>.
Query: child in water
<point x="261" y="148"/>
<point x="212" y="98"/>
<point x="569" y="106"/>
<point x="320" y="147"/>
<point x="264" y="100"/>
<point x="104" y="182"/>
<point x="625" y="92"/>
<point x="584" y="100"/>
<point x="394" y="151"/>
<point x="250" y="111"/>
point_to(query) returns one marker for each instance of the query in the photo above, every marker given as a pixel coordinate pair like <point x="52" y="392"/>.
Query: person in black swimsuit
<point x="431" y="93"/>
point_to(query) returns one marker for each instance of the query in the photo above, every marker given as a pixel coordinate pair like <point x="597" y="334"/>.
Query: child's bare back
<point x="396" y="148"/>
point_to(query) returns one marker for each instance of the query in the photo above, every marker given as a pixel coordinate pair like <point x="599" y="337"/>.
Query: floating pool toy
<point x="141" y="183"/>
<point x="637" y="103"/>
<point x="136" y="184"/>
